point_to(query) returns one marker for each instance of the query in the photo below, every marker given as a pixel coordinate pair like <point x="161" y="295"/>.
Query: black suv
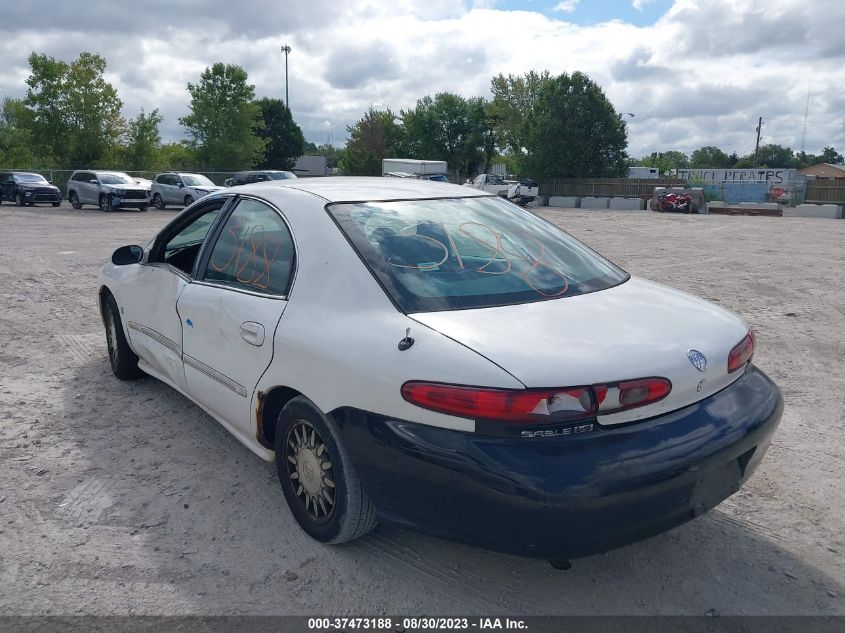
<point x="27" y="188"/>
<point x="246" y="177"/>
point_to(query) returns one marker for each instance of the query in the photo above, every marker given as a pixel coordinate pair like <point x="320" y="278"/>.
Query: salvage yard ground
<point x="124" y="498"/>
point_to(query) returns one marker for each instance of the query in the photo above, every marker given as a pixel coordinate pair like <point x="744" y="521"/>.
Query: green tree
<point x="334" y="155"/>
<point x="710" y="156"/>
<point x="513" y="101"/>
<point x="75" y="111"/>
<point x="373" y="137"/>
<point x="143" y="140"/>
<point x="15" y="138"/>
<point x="770" y="155"/>
<point x="831" y="156"/>
<point x="573" y="131"/>
<point x="224" y="121"/>
<point x="175" y="157"/>
<point x="284" y="138"/>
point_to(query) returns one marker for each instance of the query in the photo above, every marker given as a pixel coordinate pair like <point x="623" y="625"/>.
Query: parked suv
<point x="248" y="177"/>
<point x="180" y="189"/>
<point x="27" y="188"/>
<point x="109" y="190"/>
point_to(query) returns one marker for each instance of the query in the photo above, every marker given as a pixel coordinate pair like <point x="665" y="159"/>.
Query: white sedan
<point x="437" y="357"/>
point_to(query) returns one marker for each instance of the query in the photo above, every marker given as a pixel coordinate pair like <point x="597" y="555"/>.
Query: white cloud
<point x="566" y="6"/>
<point x="687" y="86"/>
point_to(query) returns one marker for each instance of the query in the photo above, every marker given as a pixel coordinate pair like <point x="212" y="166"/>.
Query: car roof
<point x="360" y="189"/>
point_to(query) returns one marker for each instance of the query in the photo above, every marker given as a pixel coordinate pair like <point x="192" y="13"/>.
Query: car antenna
<point x="406" y="342"/>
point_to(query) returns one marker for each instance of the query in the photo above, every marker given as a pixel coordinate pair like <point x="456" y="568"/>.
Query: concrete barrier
<point x="594" y="203"/>
<point x="567" y="202"/>
<point x="813" y="211"/>
<point x="761" y="205"/>
<point x="626" y="204"/>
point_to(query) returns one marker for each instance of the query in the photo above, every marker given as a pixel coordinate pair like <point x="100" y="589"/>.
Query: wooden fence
<point x="606" y="187"/>
<point x="825" y="191"/>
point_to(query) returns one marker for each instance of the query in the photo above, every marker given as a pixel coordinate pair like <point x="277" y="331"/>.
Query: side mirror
<point x="126" y="255"/>
<point x="181" y="184"/>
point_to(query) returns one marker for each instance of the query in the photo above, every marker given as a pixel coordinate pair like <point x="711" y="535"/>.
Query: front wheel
<point x="106" y="203"/>
<point x="56" y="204"/>
<point x="124" y="362"/>
<point x="21" y="200"/>
<point x="322" y="489"/>
<point x="143" y="207"/>
<point x="189" y="200"/>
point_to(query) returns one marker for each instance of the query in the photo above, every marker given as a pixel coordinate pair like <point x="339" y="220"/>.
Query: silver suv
<point x="180" y="189"/>
<point x="109" y="190"/>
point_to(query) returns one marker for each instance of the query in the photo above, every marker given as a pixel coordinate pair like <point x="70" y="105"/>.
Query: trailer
<point x="410" y="168"/>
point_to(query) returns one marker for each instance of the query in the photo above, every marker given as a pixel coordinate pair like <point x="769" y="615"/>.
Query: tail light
<point x="741" y="353"/>
<point x="566" y="404"/>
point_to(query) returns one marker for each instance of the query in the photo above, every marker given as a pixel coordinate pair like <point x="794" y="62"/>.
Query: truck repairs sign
<point x="768" y="176"/>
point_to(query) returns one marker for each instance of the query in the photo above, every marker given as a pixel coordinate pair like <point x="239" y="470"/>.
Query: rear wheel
<point x="74" y="200"/>
<point x="321" y="488"/>
<point x="124" y="362"/>
<point x="158" y="201"/>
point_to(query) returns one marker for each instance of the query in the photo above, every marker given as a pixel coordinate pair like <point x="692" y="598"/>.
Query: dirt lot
<point x="124" y="498"/>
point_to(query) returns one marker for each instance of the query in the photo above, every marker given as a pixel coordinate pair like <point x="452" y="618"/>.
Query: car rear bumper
<point x="570" y="496"/>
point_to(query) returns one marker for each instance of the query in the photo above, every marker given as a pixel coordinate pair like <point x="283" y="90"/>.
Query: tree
<point x="175" y="157"/>
<point x="573" y="131"/>
<point x="770" y="155"/>
<point x="224" y="121"/>
<point x="710" y="156"/>
<point x="15" y="138"/>
<point x="143" y="140"/>
<point x="284" y="138"/>
<point x="831" y="156"/>
<point x="374" y="136"/>
<point x="513" y="101"/>
<point x="75" y="112"/>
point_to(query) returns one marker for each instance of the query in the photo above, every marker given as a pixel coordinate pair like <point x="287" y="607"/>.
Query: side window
<point x="181" y="250"/>
<point x="161" y="179"/>
<point x="254" y="250"/>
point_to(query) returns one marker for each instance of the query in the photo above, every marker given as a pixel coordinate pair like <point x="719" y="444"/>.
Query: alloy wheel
<point x="310" y="470"/>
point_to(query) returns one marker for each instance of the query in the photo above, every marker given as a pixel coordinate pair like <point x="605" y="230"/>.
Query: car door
<point x="5" y="188"/>
<point x="149" y="298"/>
<point x="87" y="190"/>
<point x="230" y="313"/>
<point x="174" y="189"/>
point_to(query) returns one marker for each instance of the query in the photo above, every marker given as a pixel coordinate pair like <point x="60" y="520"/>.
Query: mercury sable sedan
<point x="437" y="357"/>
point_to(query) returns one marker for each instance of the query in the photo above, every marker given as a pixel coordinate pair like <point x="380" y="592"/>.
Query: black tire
<point x="56" y="204"/>
<point x="74" y="200"/>
<point x="347" y="512"/>
<point x="124" y="362"/>
<point x="189" y="200"/>
<point x="21" y="200"/>
<point x="106" y="203"/>
<point x="158" y="202"/>
<point x="143" y="207"/>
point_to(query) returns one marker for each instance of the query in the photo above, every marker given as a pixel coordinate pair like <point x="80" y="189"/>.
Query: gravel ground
<point x="124" y="498"/>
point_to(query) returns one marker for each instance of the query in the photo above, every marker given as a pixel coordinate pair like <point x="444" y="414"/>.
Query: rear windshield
<point x="457" y="253"/>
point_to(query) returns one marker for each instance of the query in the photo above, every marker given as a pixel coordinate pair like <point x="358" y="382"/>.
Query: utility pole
<point x="806" y="112"/>
<point x="757" y="146"/>
<point x="286" y="49"/>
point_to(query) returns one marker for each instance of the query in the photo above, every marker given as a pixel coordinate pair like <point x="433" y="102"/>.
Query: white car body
<point x="332" y="335"/>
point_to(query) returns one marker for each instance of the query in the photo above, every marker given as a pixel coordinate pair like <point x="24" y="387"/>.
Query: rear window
<point x="457" y="253"/>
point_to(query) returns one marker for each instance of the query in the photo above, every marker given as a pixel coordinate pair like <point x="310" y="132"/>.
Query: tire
<point x="143" y="207"/>
<point x="56" y="204"/>
<point x="124" y="362"/>
<point x="74" y="200"/>
<point x="158" y="202"/>
<point x="308" y="442"/>
<point x="105" y="203"/>
<point x="189" y="200"/>
<point x="21" y="200"/>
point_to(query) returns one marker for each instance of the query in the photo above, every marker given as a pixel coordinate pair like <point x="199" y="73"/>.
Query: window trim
<point x="211" y="240"/>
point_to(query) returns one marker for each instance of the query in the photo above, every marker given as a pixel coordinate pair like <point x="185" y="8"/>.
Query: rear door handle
<point x="252" y="333"/>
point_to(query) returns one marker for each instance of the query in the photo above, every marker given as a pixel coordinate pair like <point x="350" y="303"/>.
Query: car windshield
<point x="30" y="178"/>
<point x="116" y="179"/>
<point x="280" y="175"/>
<point x="196" y="180"/>
<point x="456" y="253"/>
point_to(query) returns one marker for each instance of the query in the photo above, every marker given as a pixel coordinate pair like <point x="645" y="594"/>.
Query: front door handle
<point x="252" y="333"/>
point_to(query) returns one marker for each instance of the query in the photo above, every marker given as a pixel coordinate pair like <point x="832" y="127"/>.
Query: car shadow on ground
<point x="166" y="497"/>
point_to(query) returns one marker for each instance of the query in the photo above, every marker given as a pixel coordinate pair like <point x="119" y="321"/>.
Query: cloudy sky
<point x="693" y="72"/>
